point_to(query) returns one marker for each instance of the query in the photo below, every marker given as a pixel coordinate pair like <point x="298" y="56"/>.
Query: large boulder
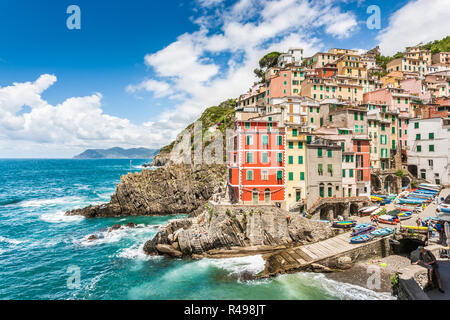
<point x="169" y="250"/>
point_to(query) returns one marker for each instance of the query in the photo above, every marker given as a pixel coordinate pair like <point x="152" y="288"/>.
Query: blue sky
<point x="138" y="71"/>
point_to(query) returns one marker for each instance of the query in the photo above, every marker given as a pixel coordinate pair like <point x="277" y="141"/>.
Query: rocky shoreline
<point x="234" y="230"/>
<point x="174" y="189"/>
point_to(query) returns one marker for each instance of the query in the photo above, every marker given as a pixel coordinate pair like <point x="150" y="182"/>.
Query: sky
<point x="138" y="71"/>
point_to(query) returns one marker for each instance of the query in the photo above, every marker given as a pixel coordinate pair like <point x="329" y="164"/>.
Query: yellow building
<point x="351" y="65"/>
<point x="393" y="79"/>
<point x="332" y="88"/>
<point x="296" y="166"/>
<point x="408" y="65"/>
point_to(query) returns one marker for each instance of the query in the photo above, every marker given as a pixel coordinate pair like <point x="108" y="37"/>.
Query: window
<point x="351" y="173"/>
<point x="279" y="157"/>
<point x="330" y="153"/>
<point x="300" y="159"/>
<point x="291" y="159"/>
<point x="319" y="152"/>
<point x="302" y="176"/>
<point x="264" y="175"/>
<point x="343" y="173"/>
<point x="419" y="148"/>
<point x="294" y="132"/>
<point x="431" y="147"/>
<point x="249" y="157"/>
<point x="279" y="175"/>
<point x="249" y="140"/>
<point x="431" y="136"/>
<point x="265" y="157"/>
<point x="430" y="163"/>
<point x="321" y="191"/>
<point x="416" y="125"/>
<point x="393" y="130"/>
<point x="418" y="136"/>
<point x="330" y="169"/>
<point x="291" y="176"/>
<point x="279" y="140"/>
<point x="247" y="125"/>
<point x="320" y="169"/>
<point x="265" y="140"/>
<point x="331" y="118"/>
<point x="249" y="175"/>
<point x="358" y="146"/>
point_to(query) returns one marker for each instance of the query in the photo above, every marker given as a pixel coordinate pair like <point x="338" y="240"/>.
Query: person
<point x="429" y="260"/>
<point x="288" y="219"/>
<point x="419" y="222"/>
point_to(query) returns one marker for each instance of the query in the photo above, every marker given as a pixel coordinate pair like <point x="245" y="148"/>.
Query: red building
<point x="361" y="148"/>
<point x="256" y="171"/>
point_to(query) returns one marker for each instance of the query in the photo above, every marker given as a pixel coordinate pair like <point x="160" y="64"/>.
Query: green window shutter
<point x="312" y="120"/>
<point x="416" y="125"/>
<point x="418" y="136"/>
<point x="419" y="148"/>
<point x="294" y="132"/>
<point x="356" y="116"/>
<point x="318" y="111"/>
<point x="319" y="152"/>
<point x="279" y="175"/>
<point x="249" y="157"/>
<point x="302" y="176"/>
<point x="308" y="139"/>
<point x="351" y="173"/>
<point x="300" y="159"/>
<point x="248" y="140"/>
<point x="431" y="136"/>
<point x="247" y="125"/>
<point x="321" y="192"/>
<point x="291" y="145"/>
<point x="319" y="167"/>
<point x="343" y="146"/>
<point x="393" y="130"/>
<point x="330" y="153"/>
<point x="343" y="173"/>
<point x="249" y="175"/>
<point x="265" y="140"/>
<point x="300" y="145"/>
<point x="265" y="157"/>
<point x="291" y="176"/>
<point x="431" y="147"/>
<point x="291" y="159"/>
<point x="330" y="192"/>
<point x="330" y="168"/>
<point x="279" y="140"/>
<point x="280" y="157"/>
<point x="331" y="118"/>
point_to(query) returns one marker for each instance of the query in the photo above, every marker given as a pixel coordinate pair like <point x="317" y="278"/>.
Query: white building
<point x="429" y="149"/>
<point x="294" y="56"/>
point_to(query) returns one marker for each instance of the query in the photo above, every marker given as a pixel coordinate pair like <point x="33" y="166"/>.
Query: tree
<point x="266" y="62"/>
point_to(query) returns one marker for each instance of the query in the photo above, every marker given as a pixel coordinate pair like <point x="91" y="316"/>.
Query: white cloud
<point x="159" y="88"/>
<point x="247" y="30"/>
<point x="417" y="21"/>
<point x="75" y="123"/>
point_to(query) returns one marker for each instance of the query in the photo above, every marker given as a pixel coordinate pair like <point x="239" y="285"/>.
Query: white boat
<point x="367" y="210"/>
<point x="429" y="186"/>
<point x="378" y="211"/>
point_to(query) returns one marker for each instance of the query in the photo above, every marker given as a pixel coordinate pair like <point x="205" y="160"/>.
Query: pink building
<point x="417" y="88"/>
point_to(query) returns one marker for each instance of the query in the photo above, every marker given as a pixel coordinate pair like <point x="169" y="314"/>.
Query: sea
<point x="46" y="255"/>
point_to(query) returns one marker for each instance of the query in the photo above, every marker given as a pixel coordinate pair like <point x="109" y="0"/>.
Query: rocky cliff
<point x="172" y="189"/>
<point x="231" y="230"/>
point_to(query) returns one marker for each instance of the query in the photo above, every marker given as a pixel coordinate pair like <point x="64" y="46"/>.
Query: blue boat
<point x="344" y="224"/>
<point x="362" y="225"/>
<point x="405" y="215"/>
<point x="412" y="201"/>
<point x="382" y="232"/>
<point x="361" y="231"/>
<point x="361" y="238"/>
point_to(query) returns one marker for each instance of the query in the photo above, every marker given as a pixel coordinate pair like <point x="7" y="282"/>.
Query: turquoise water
<point x="38" y="244"/>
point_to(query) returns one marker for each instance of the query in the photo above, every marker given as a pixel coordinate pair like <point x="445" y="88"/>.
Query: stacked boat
<point x="365" y="232"/>
<point x="402" y="215"/>
<point x="425" y="193"/>
<point x="367" y="211"/>
<point x="387" y="219"/>
<point x="382" y="232"/>
<point x="382" y="199"/>
<point x="344" y="224"/>
<point x="443" y="211"/>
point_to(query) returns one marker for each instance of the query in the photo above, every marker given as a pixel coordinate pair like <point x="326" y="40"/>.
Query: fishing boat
<point x="405" y="215"/>
<point x="382" y="232"/>
<point x="428" y="186"/>
<point x="408" y="208"/>
<point x="361" y="238"/>
<point x="386" y="219"/>
<point x="344" y="224"/>
<point x="377" y="199"/>
<point x="362" y="230"/>
<point x="394" y="212"/>
<point x="444" y="207"/>
<point x="367" y="210"/>
<point x="410" y="201"/>
<point x="378" y="212"/>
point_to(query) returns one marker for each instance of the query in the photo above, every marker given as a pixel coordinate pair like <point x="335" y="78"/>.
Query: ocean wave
<point x="10" y="201"/>
<point x="235" y="266"/>
<point x="10" y="241"/>
<point x="339" y="290"/>
<point x="110" y="236"/>
<point x="136" y="252"/>
<point x="59" y="216"/>
<point x="52" y="202"/>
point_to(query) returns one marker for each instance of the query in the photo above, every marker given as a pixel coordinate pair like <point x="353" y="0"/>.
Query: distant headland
<point x="117" y="153"/>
